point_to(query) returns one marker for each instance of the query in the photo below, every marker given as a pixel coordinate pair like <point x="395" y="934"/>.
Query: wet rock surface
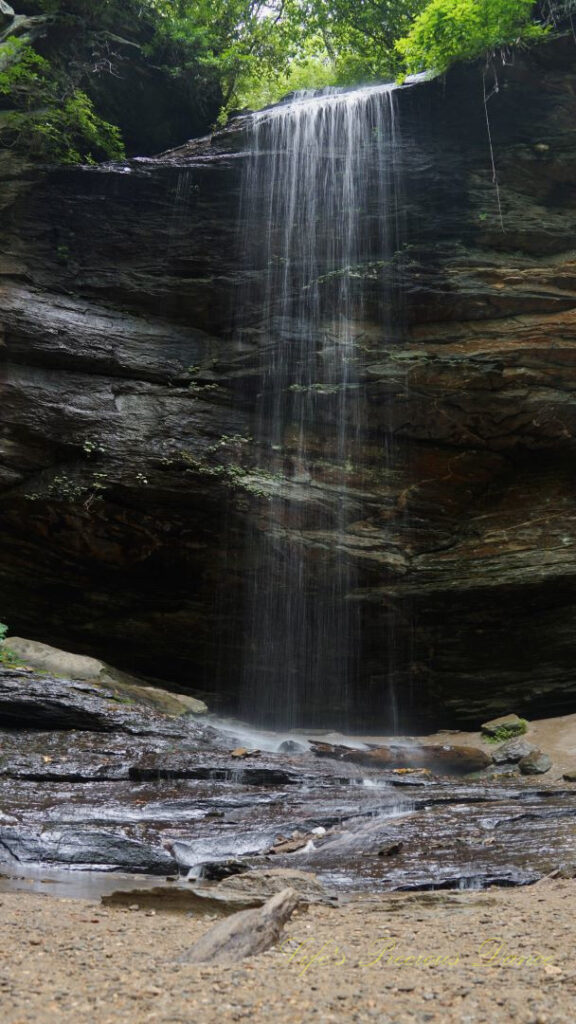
<point x="90" y="849"/>
<point x="44" y="702"/>
<point x="83" y="801"/>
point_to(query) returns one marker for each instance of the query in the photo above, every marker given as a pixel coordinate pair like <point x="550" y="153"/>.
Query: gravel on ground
<point x="449" y="957"/>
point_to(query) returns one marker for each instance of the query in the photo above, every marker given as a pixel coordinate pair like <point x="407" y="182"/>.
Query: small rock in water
<point x="184" y="854"/>
<point x="504" y="727"/>
<point x="289" y="846"/>
<point x="391" y="851"/>
<point x="535" y="763"/>
<point x="291" y="747"/>
<point x="512" y="751"/>
<point x="216" y="871"/>
<point x="570" y="776"/>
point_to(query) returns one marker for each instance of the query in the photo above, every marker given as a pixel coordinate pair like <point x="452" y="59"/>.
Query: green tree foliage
<point x="360" y="35"/>
<point x="246" y="52"/>
<point x="356" y="41"/>
<point x="311" y="68"/>
<point x="451" y="30"/>
<point x="238" y="41"/>
<point x="46" y="116"/>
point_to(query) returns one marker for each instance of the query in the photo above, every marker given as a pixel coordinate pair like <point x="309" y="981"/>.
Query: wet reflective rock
<point x="181" y="767"/>
<point x="42" y="701"/>
<point x="176" y="899"/>
<point x="84" y="848"/>
<point x="158" y="804"/>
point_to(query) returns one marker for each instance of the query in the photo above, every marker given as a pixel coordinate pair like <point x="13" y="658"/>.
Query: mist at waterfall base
<point x="319" y="212"/>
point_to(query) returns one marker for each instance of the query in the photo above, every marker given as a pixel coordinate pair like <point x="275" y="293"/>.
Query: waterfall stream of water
<point x="318" y="215"/>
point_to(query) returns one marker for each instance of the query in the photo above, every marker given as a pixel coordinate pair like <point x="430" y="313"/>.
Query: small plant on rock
<point x="508" y="732"/>
<point x="7" y="658"/>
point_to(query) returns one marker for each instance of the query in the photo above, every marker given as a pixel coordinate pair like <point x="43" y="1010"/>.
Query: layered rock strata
<point x="130" y="369"/>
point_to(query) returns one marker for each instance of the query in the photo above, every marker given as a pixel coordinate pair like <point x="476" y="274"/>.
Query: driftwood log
<point x="245" y="934"/>
<point x="443" y="760"/>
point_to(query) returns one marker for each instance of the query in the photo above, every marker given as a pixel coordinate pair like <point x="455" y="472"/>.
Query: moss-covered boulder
<point x="504" y="728"/>
<point x="63" y="664"/>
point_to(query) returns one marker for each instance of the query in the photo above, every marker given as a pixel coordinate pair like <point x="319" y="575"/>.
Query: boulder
<point x="53" y="661"/>
<point x="83" y="848"/>
<point x="535" y="763"/>
<point x="505" y="727"/>
<point x="266" y="883"/>
<point x="245" y="934"/>
<point x="282" y="846"/>
<point x="512" y="751"/>
<point x="43" y="701"/>
<point x="443" y="759"/>
<point x="292" y="747"/>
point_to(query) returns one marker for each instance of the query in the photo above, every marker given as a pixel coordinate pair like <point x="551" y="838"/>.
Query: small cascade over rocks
<point x="319" y="212"/>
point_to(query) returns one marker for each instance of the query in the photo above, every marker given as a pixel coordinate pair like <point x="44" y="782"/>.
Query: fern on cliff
<point x="46" y="117"/>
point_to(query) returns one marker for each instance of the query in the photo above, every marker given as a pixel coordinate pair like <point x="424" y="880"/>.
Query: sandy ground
<point x="499" y="955"/>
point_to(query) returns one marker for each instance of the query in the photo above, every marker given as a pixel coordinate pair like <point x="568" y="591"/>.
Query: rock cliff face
<point x="127" y="473"/>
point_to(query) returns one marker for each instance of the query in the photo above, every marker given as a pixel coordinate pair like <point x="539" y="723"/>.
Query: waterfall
<point x="318" y="215"/>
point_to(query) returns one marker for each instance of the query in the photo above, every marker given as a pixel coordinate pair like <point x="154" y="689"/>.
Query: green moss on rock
<point x="505" y="728"/>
